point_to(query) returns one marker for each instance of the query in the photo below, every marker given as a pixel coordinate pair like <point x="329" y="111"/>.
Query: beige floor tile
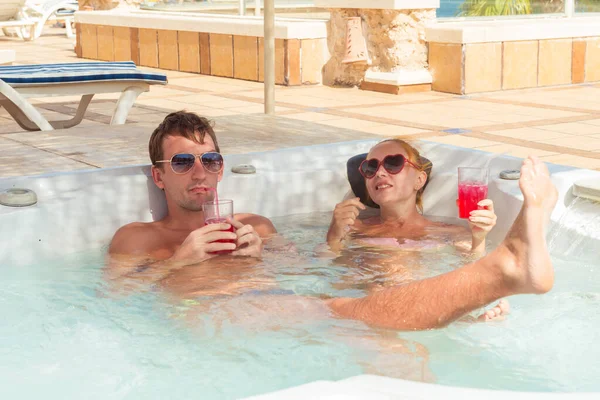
<point x="349" y="123"/>
<point x="212" y="86"/>
<point x="391" y="130"/>
<point x="255" y="109"/>
<point x="162" y="92"/>
<point x="322" y="91"/>
<point x="517" y="151"/>
<point x="432" y="118"/>
<point x="201" y="99"/>
<point x="542" y="98"/>
<point x="574" y="161"/>
<point x="527" y="133"/>
<point x="592" y="122"/>
<point x="544" y="112"/>
<point x="451" y="123"/>
<point x="473" y="103"/>
<point x="256" y="94"/>
<point x="510" y="118"/>
<point x="510" y="109"/>
<point x="576" y="142"/>
<point x="218" y="112"/>
<point x="395" y="113"/>
<point x="573" y="128"/>
<point x="461" y="141"/>
<point x="312" y="116"/>
<point x="230" y="103"/>
<point x="164" y="104"/>
<point x="62" y="99"/>
<point x="356" y="101"/>
<point x="310" y="101"/>
<point x="445" y="110"/>
<point x="153" y="119"/>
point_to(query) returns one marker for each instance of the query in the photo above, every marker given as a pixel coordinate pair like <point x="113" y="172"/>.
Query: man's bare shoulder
<point x="262" y="225"/>
<point x="134" y="238"/>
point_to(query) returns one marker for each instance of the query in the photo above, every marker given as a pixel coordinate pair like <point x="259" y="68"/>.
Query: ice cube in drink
<point x="469" y="194"/>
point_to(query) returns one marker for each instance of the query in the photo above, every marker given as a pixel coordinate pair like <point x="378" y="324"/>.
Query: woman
<point x="395" y="178"/>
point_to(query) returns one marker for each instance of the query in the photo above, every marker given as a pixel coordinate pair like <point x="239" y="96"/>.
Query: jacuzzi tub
<point x="81" y="210"/>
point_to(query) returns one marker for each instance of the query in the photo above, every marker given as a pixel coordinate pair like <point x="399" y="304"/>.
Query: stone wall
<point x="297" y="61"/>
<point x="395" y="40"/>
<point x="465" y="68"/>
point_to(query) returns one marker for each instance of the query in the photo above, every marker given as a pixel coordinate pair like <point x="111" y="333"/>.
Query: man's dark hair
<point x="180" y="123"/>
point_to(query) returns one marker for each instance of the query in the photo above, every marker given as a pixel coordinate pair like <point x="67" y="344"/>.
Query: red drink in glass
<point x="221" y="221"/>
<point x="216" y="212"/>
<point x="469" y="194"/>
<point x="472" y="188"/>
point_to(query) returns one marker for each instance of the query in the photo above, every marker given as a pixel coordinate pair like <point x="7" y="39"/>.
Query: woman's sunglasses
<point x="393" y="164"/>
<point x="183" y="162"/>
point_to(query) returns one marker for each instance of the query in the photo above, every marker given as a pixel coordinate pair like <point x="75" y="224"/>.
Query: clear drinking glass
<point x="216" y="212"/>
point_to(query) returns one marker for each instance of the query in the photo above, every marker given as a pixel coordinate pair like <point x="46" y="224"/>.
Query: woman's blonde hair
<point x="415" y="157"/>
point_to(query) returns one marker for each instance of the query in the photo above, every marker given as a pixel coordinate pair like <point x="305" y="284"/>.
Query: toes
<point x="496" y="313"/>
<point x="526" y="169"/>
<point x="483" y="317"/>
<point x="504" y="307"/>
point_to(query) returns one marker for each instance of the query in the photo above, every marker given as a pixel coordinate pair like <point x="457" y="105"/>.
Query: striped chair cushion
<point x="44" y="74"/>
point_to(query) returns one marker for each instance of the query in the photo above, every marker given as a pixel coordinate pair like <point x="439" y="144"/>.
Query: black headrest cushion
<point x="357" y="181"/>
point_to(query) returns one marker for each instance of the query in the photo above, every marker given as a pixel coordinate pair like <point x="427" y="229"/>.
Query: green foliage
<point x="488" y="8"/>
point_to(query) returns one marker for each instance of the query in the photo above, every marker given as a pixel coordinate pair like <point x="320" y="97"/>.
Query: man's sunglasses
<point x="393" y="164"/>
<point x="183" y="162"/>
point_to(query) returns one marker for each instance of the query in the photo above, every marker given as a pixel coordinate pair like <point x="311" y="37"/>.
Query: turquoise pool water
<point x="64" y="335"/>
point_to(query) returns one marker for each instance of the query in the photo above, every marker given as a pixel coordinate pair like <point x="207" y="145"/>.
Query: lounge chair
<point x="13" y="14"/>
<point x="19" y="82"/>
<point x="59" y="10"/>
<point x="39" y="12"/>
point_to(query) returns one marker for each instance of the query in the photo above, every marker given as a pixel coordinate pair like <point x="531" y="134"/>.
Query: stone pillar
<point x="395" y="36"/>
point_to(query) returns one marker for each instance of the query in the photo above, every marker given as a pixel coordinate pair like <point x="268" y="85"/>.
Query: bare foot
<point x="497" y="313"/>
<point x="523" y="255"/>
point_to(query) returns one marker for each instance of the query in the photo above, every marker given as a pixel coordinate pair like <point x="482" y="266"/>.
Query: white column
<point x="569" y="8"/>
<point x="257" y="8"/>
<point x="269" y="35"/>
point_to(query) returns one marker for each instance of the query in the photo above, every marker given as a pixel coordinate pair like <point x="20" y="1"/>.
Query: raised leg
<point x="521" y="264"/>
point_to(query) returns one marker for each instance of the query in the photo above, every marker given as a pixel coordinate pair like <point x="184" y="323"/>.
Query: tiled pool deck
<point x="559" y="124"/>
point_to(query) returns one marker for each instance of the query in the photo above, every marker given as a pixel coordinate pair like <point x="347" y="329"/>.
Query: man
<point x="177" y="250"/>
<point x="186" y="164"/>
